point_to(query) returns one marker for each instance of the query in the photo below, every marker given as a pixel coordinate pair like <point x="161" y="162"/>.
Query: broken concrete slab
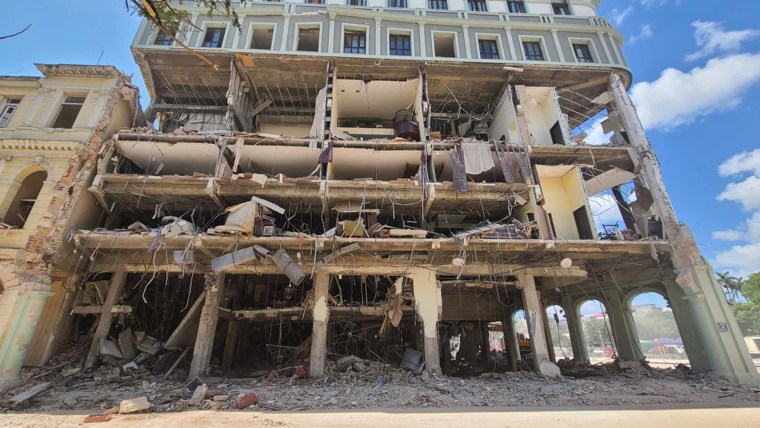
<point x="126" y="344"/>
<point x="199" y="395"/>
<point x="28" y="394"/>
<point x="134" y="405"/>
<point x="109" y="348"/>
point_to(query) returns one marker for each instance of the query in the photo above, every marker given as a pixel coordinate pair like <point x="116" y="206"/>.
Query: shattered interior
<point x="261" y="182"/>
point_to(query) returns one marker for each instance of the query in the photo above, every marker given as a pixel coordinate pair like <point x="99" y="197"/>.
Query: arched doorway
<point x="658" y="335"/>
<point x="597" y="331"/>
<point x="559" y="332"/>
<point x="521" y="332"/>
<point x="26" y="196"/>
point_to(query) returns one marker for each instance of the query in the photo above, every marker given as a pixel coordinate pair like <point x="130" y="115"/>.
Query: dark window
<point x="68" y="112"/>
<point x="443" y="44"/>
<point x="583" y="53"/>
<point x="355" y="42"/>
<point x="400" y="45"/>
<point x="477" y="5"/>
<point x="315" y="1"/>
<point x="163" y="39"/>
<point x="438" y="4"/>
<point x="23" y="202"/>
<point x="356" y="2"/>
<point x="561" y="8"/>
<point x="516" y="6"/>
<point x="10" y="107"/>
<point x="397" y="3"/>
<point x="213" y="38"/>
<point x="262" y="38"/>
<point x="556" y="134"/>
<point x="308" y="39"/>
<point x="582" y="223"/>
<point x="488" y="49"/>
<point x="533" y="51"/>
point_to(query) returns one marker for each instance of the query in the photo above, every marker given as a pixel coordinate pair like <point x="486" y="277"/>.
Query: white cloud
<point x="746" y="193"/>
<point x="596" y="135"/>
<point x="645" y="33"/>
<point x="728" y="235"/>
<point x="618" y="16"/>
<point x="649" y="3"/>
<point x="712" y="38"/>
<point x="743" y="162"/>
<point x="678" y="98"/>
<point x="744" y="258"/>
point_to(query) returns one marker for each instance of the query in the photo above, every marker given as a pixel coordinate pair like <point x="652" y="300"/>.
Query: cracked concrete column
<point x="623" y="327"/>
<point x="427" y="306"/>
<point x="204" y="341"/>
<point x="716" y="326"/>
<point x="575" y="328"/>
<point x="685" y="322"/>
<point x="20" y="309"/>
<point x="321" y="318"/>
<point x="535" y="318"/>
<point x="549" y="338"/>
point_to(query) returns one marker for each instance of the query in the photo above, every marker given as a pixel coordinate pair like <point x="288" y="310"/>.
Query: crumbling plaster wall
<point x="27" y="276"/>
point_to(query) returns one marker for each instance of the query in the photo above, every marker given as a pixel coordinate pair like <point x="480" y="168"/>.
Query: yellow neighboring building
<point x="51" y="129"/>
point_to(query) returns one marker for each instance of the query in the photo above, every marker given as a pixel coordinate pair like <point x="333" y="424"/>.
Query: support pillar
<point x="510" y="339"/>
<point x="575" y="328"/>
<point x="204" y="341"/>
<point x="115" y="289"/>
<point x="623" y="327"/>
<point x="321" y="319"/>
<point x="716" y="326"/>
<point x="685" y="321"/>
<point x="428" y="305"/>
<point x="549" y="338"/>
<point x="535" y="319"/>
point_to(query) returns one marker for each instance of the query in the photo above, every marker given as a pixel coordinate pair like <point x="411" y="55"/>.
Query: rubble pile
<point x="352" y="382"/>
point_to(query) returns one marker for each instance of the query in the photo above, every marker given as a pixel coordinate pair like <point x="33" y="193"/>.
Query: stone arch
<point x="597" y="329"/>
<point x="556" y="316"/>
<point x="657" y="331"/>
<point x="22" y="195"/>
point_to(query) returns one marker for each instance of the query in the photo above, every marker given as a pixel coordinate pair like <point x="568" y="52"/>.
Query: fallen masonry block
<point x="96" y="418"/>
<point x="134" y="405"/>
<point x="199" y="395"/>
<point x="221" y="397"/>
<point x="246" y="400"/>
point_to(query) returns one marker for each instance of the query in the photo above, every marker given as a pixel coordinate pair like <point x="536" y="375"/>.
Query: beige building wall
<point x="33" y="257"/>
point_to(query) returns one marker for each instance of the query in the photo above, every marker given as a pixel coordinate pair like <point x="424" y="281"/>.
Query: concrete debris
<point x="96" y="418"/>
<point x="246" y="400"/>
<point x="109" y="348"/>
<point x="353" y="382"/>
<point x="176" y="226"/>
<point x="134" y="405"/>
<point x="199" y="395"/>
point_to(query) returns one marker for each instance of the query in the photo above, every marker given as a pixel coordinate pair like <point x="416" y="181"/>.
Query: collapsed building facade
<point x="385" y="180"/>
<point x="51" y="129"/>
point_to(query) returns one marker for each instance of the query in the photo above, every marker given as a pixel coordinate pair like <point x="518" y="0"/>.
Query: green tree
<point x="732" y="286"/>
<point x="748" y="313"/>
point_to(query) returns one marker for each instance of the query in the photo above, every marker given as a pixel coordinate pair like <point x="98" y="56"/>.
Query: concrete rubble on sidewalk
<point x="352" y="382"/>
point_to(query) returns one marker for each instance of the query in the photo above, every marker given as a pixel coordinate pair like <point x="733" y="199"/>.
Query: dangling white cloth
<point x="477" y="157"/>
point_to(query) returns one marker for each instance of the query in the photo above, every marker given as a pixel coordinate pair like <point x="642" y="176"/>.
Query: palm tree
<point x="732" y="286"/>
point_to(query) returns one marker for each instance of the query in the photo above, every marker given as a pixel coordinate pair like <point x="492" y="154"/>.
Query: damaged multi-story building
<point x="51" y="129"/>
<point x="388" y="179"/>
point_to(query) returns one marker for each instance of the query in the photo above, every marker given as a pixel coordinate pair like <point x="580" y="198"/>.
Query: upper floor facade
<point x="44" y="123"/>
<point x="525" y="32"/>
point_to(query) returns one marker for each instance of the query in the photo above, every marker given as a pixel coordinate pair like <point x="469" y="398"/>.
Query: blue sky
<point x="696" y="68"/>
